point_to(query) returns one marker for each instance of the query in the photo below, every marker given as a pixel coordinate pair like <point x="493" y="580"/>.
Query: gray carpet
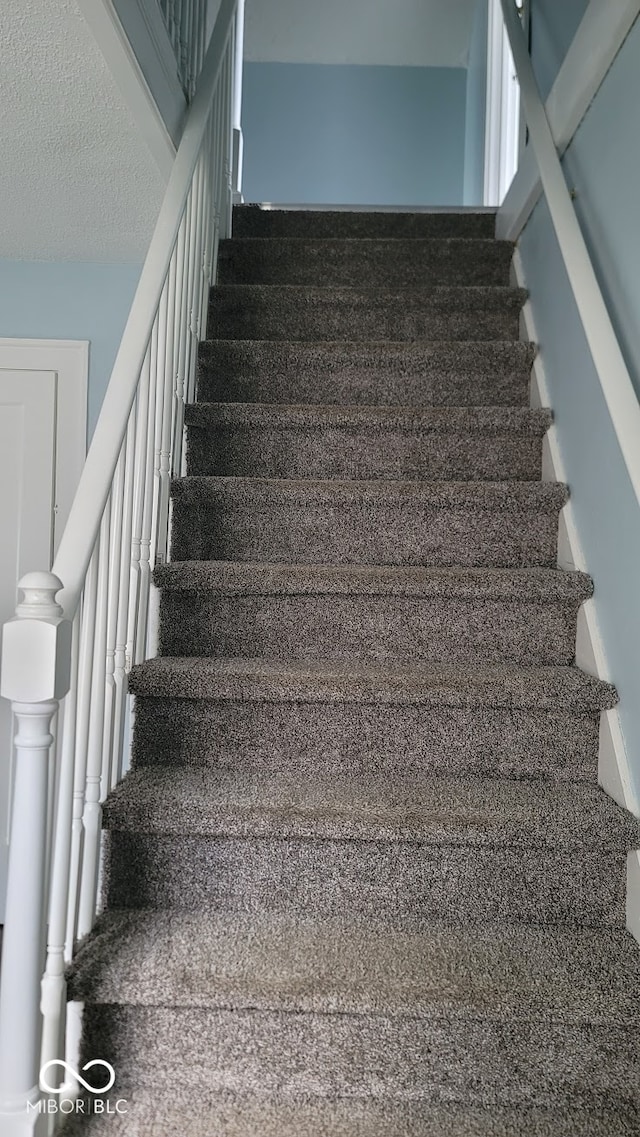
<point x="361" y="880"/>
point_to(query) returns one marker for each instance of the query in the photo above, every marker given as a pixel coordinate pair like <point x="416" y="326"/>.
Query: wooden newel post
<point x="36" y="661"/>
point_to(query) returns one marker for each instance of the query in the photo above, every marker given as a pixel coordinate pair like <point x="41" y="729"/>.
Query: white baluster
<point x="92" y="815"/>
<point x="36" y="661"/>
<point x="157" y="378"/>
<point x="183" y="345"/>
<point x="206" y="238"/>
<point x="165" y="407"/>
<point x="228" y="143"/>
<point x="120" y="660"/>
<point x="143" y="431"/>
<point x="87" y="629"/>
<point x="115" y="530"/>
<point x="218" y="171"/>
<point x="54" y="987"/>
<point x="196" y="276"/>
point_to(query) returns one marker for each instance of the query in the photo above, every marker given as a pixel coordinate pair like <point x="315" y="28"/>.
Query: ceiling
<point x="76" y="181"/>
<point x="416" y="33"/>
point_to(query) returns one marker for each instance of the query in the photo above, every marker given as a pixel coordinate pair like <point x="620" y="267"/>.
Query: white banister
<point x="81" y="530"/>
<point x="36" y="666"/>
<point x="613" y="374"/>
<point x="600" y="35"/>
<point x="79" y="628"/>
<point x="186" y="24"/>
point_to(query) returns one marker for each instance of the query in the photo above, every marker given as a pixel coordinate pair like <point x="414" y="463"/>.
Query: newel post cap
<point x="36" y="644"/>
<point x="39" y="590"/>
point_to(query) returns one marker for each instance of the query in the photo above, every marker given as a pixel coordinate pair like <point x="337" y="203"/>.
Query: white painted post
<point x="36" y="664"/>
<point x="237" y="103"/>
<point x="92" y="813"/>
<point x="54" y="987"/>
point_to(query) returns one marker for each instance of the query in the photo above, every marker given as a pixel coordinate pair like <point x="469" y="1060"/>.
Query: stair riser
<point x="401" y="264"/>
<point x="410" y="375"/>
<point x="263" y="452"/>
<point x="242" y="315"/>
<point x="255" y="222"/>
<point x="347" y="738"/>
<point x="396" y="882"/>
<point x="348" y="1055"/>
<point x="398" y="629"/>
<point x="223" y="526"/>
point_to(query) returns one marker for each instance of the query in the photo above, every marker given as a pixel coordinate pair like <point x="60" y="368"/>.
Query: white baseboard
<point x="614" y="772"/>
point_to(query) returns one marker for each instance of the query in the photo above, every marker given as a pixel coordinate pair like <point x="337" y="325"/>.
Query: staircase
<point x="361" y="881"/>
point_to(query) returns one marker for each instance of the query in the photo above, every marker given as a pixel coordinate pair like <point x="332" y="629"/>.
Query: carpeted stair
<point x="361" y="880"/>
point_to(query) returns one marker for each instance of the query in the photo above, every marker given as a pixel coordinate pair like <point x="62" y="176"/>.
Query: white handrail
<point x="600" y="35"/>
<point x="79" y="537"/>
<point x="79" y="628"/>
<point x="186" y="24"/>
<point x="612" y="370"/>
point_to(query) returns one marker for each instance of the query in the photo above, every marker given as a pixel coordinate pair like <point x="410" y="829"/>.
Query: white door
<point x="27" y="465"/>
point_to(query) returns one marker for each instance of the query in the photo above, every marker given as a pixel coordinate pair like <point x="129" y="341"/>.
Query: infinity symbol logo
<point x="47" y="1089"/>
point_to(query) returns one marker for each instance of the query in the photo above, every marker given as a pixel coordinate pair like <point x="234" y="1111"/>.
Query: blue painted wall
<point x="476" y="106"/>
<point x="340" y="134"/>
<point x="553" y="26"/>
<point x="603" y="164"/>
<point x="68" y="300"/>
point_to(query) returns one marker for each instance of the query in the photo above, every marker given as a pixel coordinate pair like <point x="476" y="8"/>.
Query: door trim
<point x="502" y="131"/>
<point x="70" y="361"/>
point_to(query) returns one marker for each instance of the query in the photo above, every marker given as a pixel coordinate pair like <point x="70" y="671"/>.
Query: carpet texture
<point x="361" y="880"/>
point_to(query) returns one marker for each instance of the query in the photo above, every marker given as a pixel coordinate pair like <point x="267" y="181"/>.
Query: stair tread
<point x="245" y="679"/>
<point x="506" y="349"/>
<point x="193" y="800"/>
<point x="441" y="420"/>
<point x="413" y="244"/>
<point x="153" y="1114"/>
<point x="299" y="963"/>
<point x="265" y="578"/>
<point x="508" y="496"/>
<point x="453" y="350"/>
<point x="446" y="298"/>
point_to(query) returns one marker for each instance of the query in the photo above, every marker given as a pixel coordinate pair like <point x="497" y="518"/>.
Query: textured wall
<point x="476" y="111"/>
<point x="603" y="164"/>
<point x="70" y="301"/>
<point x="76" y="182"/>
<point x="345" y="135"/>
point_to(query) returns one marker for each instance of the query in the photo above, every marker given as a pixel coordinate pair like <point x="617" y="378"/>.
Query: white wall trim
<point x="597" y="41"/>
<point x="502" y="130"/>
<point x="70" y="360"/>
<point x="112" y="41"/>
<point x="614" y="769"/>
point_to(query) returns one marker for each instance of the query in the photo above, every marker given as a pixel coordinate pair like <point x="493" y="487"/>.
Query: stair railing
<point x="186" y="24"/>
<point x="79" y="628"/>
<point x="613" y="373"/>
